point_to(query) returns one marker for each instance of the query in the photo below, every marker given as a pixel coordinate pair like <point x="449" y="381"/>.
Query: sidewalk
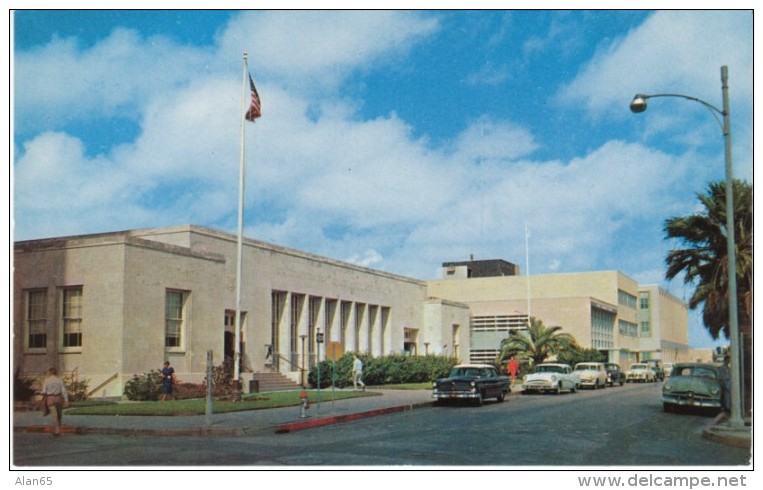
<point x="719" y="430"/>
<point x="269" y="421"/>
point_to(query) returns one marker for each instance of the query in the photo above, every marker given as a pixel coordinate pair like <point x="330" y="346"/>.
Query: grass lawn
<point x="251" y="401"/>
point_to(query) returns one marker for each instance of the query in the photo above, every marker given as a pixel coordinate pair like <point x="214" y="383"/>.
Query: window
<point x="644" y="301"/>
<point x="174" y="317"/>
<point x="35" y="320"/>
<point x="626" y="299"/>
<point x="499" y="323"/>
<point x="71" y="317"/>
<point x="627" y="328"/>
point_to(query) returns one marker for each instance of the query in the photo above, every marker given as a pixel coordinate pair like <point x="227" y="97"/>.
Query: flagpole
<point x="239" y="244"/>
<point x="527" y="272"/>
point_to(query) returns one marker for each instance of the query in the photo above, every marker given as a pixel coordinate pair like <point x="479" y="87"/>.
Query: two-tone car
<point x="640" y="372"/>
<point x="471" y="382"/>
<point x="692" y="384"/>
<point x="592" y="374"/>
<point x="551" y="377"/>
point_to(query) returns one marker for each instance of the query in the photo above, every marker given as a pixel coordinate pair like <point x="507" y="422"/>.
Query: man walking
<point x="357" y="373"/>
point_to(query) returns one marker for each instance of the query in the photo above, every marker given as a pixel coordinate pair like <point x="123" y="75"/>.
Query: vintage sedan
<point x="553" y="377"/>
<point x="591" y="374"/>
<point x="471" y="382"/>
<point x="692" y="384"/>
<point x="641" y="372"/>
<point x="615" y="375"/>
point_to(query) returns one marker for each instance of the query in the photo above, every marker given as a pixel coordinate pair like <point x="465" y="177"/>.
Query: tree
<point x="704" y="257"/>
<point x="703" y="260"/>
<point x="574" y="356"/>
<point x="537" y="343"/>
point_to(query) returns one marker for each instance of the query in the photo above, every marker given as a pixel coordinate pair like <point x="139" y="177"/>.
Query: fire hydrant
<point x="305" y="403"/>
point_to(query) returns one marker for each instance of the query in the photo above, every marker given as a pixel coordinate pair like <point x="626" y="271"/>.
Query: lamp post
<point x="638" y="104"/>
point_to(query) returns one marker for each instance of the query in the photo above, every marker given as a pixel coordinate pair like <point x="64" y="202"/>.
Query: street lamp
<point x="638" y="105"/>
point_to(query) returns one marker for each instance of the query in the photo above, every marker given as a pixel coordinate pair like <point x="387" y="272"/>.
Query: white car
<point x="641" y="372"/>
<point x="592" y="374"/>
<point x="553" y="377"/>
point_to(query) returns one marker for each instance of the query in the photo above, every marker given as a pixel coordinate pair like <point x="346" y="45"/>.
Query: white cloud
<point x="319" y="48"/>
<point x="673" y="51"/>
<point x="115" y="78"/>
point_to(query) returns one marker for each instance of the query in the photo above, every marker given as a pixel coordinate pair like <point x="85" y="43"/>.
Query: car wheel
<point x="596" y="385"/>
<point x="575" y="387"/>
<point x="479" y="399"/>
<point x="667" y="407"/>
<point x="558" y="388"/>
<point x="622" y="382"/>
<point x="501" y="397"/>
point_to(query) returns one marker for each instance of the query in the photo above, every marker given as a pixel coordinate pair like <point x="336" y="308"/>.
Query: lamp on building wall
<point x="638" y="105"/>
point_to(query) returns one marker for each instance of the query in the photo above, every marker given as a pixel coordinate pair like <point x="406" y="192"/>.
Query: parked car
<point x="659" y="372"/>
<point x="614" y="374"/>
<point x="692" y="384"/>
<point x="592" y="374"/>
<point x="473" y="382"/>
<point x="553" y="377"/>
<point x="641" y="372"/>
<point x="667" y="369"/>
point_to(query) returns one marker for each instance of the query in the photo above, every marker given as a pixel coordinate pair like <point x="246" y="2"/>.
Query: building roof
<point x="486" y="268"/>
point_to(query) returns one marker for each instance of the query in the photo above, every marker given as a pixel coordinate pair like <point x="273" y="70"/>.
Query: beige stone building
<point x="606" y="310"/>
<point x="116" y="304"/>
<point x="111" y="305"/>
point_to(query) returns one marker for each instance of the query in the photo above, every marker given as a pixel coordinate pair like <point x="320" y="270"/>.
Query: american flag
<point x="254" y="109"/>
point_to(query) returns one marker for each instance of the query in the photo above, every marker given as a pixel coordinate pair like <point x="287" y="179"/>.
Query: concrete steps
<point x="274" y="382"/>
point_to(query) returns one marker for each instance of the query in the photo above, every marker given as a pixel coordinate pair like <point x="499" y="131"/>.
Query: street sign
<point x="319" y="337"/>
<point x="334" y="351"/>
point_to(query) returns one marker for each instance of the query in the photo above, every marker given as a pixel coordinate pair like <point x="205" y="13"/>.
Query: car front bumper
<point x="588" y="382"/>
<point x="539" y="385"/>
<point x="453" y="395"/>
<point x="685" y="401"/>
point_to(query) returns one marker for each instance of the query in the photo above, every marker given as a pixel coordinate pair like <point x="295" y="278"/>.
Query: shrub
<point x="222" y="377"/>
<point x="391" y="369"/>
<point x="76" y="388"/>
<point x="144" y="387"/>
<point x="23" y="388"/>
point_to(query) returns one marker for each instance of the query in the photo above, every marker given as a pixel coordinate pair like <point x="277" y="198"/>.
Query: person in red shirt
<point x="513" y="369"/>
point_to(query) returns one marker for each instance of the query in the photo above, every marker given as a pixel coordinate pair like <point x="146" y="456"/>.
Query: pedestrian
<point x="357" y="373"/>
<point x="513" y="369"/>
<point x="724" y="376"/>
<point x="169" y="380"/>
<point x="54" y="399"/>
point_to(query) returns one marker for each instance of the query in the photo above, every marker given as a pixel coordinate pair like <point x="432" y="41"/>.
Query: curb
<point x="728" y="437"/>
<point x="220" y="431"/>
<point x="336" y="419"/>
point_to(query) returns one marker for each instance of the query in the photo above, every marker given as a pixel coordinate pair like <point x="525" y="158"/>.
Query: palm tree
<point x="537" y="343"/>
<point x="704" y="258"/>
<point x="704" y="263"/>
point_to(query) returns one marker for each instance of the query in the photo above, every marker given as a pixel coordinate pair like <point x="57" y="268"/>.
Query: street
<point x="612" y="427"/>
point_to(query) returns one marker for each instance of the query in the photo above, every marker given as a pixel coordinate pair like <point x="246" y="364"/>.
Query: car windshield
<point x="585" y="367"/>
<point x="698" y="371"/>
<point x="549" y="369"/>
<point x="473" y="372"/>
<point x="637" y="367"/>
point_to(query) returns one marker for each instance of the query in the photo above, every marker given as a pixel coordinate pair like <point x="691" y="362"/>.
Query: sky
<point x="396" y="140"/>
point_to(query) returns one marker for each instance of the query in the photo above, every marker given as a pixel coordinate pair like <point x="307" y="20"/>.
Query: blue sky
<point x="396" y="140"/>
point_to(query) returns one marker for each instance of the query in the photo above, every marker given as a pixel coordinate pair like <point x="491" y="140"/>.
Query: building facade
<point x="606" y="311"/>
<point x="108" y="306"/>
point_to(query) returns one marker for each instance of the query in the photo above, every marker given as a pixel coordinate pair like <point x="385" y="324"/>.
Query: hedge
<point x="391" y="369"/>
